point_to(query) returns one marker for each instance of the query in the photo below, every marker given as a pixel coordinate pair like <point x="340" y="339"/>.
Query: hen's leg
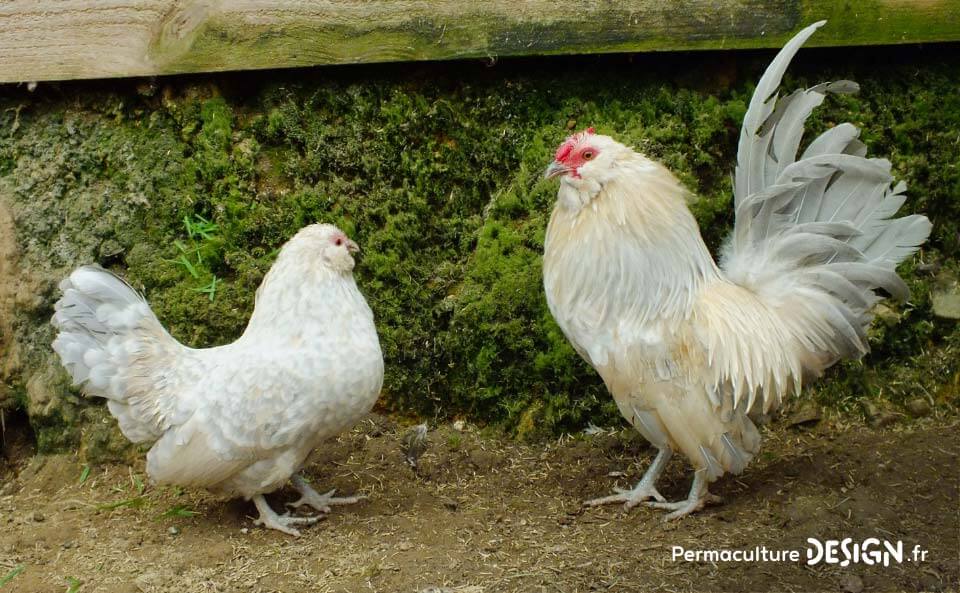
<point x="320" y="502"/>
<point x="271" y="520"/>
<point x="698" y="498"/>
<point x="645" y="488"/>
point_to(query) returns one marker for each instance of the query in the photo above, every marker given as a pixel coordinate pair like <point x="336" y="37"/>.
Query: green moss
<point x="102" y="440"/>
<point x="437" y="175"/>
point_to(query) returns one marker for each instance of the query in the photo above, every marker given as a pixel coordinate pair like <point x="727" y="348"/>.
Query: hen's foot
<point x="320" y="502"/>
<point x="644" y="490"/>
<point x="698" y="498"/>
<point x="271" y="520"/>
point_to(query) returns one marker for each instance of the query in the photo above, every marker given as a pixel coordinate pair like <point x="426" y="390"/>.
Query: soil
<point x="482" y="514"/>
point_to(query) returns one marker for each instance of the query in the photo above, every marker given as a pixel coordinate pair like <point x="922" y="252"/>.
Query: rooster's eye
<point x="587" y="155"/>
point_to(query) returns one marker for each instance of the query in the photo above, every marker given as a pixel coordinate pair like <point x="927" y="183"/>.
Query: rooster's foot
<point x="629" y="497"/>
<point x="320" y="502"/>
<point x="683" y="508"/>
<point x="698" y="498"/>
<point x="271" y="520"/>
<point x="644" y="490"/>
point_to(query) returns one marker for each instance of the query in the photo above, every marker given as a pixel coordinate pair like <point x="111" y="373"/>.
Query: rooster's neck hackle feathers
<point x="635" y="242"/>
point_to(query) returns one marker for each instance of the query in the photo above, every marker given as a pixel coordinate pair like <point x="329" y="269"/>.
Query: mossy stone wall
<point x="187" y="187"/>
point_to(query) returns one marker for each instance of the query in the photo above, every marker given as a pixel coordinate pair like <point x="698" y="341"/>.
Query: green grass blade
<point x="12" y="574"/>
<point x="178" y="511"/>
<point x="183" y="261"/>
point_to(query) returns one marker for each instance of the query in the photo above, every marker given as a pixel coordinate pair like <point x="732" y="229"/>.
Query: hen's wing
<point x="812" y="243"/>
<point x="248" y="410"/>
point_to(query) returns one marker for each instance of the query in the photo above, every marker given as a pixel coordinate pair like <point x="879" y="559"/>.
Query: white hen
<point x="692" y="351"/>
<point x="239" y="419"/>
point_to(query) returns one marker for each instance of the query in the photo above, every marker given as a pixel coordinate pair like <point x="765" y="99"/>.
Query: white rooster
<point x="239" y="419"/>
<point x="691" y="350"/>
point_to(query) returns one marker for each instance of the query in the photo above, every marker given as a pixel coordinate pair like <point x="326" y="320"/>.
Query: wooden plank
<point x="70" y="39"/>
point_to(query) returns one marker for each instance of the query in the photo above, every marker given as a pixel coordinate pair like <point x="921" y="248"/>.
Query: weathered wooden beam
<point x="70" y="39"/>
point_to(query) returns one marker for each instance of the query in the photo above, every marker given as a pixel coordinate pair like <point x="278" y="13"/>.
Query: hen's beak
<point x="555" y="169"/>
<point x="352" y="247"/>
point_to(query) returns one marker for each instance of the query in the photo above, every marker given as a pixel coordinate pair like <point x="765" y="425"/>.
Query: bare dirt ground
<point x="484" y="515"/>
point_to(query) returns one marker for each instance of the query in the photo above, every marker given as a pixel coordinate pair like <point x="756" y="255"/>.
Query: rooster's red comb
<point x="563" y="151"/>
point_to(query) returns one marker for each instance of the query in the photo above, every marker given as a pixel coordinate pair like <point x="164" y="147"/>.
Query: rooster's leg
<point x="698" y="498"/>
<point x="646" y="488"/>
<point x="320" y="502"/>
<point x="271" y="520"/>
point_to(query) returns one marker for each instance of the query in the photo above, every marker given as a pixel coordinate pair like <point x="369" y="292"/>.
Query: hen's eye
<point x="338" y="241"/>
<point x="587" y="155"/>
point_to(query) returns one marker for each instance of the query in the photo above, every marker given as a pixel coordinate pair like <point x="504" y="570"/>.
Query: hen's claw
<point x="283" y="523"/>
<point x="271" y="520"/>
<point x="323" y="502"/>
<point x="315" y="500"/>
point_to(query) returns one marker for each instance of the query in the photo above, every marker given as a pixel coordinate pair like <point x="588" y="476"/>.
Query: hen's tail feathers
<point x="113" y="346"/>
<point x="815" y="237"/>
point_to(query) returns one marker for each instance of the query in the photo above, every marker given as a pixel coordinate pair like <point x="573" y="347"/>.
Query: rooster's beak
<point x="352" y="247"/>
<point x="556" y="168"/>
